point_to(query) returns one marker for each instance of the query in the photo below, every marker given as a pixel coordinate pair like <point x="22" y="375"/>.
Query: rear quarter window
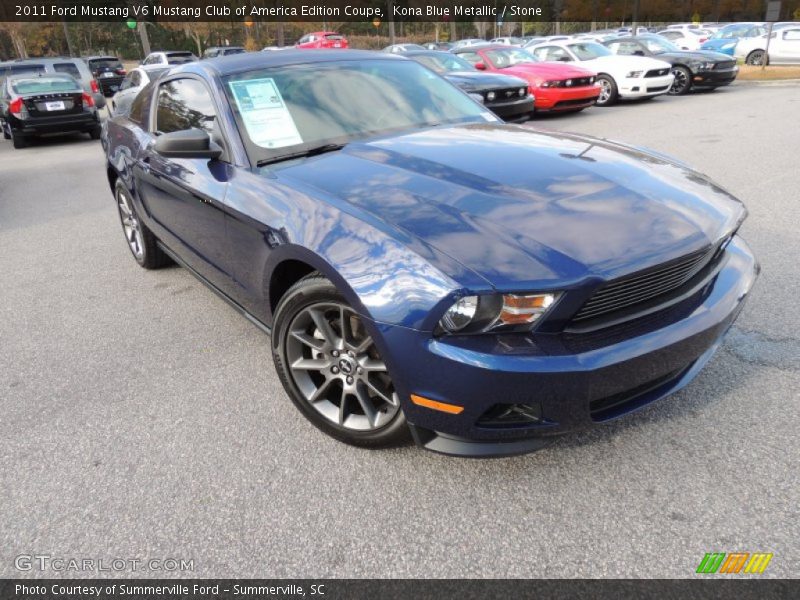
<point x="68" y="68"/>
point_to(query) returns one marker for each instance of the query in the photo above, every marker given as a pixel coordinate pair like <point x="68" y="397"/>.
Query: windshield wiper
<point x="302" y="154"/>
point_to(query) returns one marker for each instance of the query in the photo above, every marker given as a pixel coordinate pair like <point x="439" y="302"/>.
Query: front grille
<point x="646" y="285"/>
<point x="726" y="64"/>
<point x="660" y="88"/>
<point x="575" y="102"/>
<point x="656" y="73"/>
<point x="612" y="406"/>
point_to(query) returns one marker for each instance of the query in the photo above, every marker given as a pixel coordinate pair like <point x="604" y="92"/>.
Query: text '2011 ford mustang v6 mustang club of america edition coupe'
<point x="422" y="266"/>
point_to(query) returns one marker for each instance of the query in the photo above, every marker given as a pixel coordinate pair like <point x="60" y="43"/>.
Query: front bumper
<point x="566" y="99"/>
<point x="644" y="87"/>
<point x="573" y="383"/>
<point x="715" y="78"/>
<point x="512" y="109"/>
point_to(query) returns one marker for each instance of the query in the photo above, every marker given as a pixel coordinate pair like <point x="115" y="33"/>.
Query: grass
<point x="771" y="73"/>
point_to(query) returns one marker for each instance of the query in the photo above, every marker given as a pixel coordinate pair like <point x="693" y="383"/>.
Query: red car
<point x="322" y="39"/>
<point x="557" y="87"/>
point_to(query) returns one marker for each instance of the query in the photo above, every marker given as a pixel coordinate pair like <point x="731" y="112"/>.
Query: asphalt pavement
<point x="141" y="417"/>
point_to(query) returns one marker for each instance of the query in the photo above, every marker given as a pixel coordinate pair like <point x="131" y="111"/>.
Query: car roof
<point x="484" y="46"/>
<point x="237" y="63"/>
<point x="19" y="76"/>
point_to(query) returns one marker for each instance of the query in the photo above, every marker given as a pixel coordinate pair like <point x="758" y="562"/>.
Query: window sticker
<point x="266" y="118"/>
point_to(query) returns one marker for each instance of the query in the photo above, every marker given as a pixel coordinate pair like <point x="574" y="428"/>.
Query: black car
<point x="108" y="71"/>
<point x="33" y="105"/>
<point x="698" y="68"/>
<point x="507" y="97"/>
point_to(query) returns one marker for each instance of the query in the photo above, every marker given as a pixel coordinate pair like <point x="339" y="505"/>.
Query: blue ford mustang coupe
<point x="422" y="267"/>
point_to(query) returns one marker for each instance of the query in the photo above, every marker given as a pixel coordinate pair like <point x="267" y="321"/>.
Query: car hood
<point x="476" y="80"/>
<point x="547" y="70"/>
<point x="694" y="55"/>
<point x="526" y="208"/>
<point x="618" y="63"/>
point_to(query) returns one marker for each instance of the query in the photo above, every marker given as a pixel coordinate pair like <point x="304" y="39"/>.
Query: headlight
<point x="508" y="312"/>
<point x="591" y="80"/>
<point x="568" y="82"/>
<point x="522" y="91"/>
<point x="478" y="97"/>
<point x="728" y="45"/>
<point x="491" y="96"/>
<point x="634" y="74"/>
<point x="705" y="66"/>
<point x="551" y="84"/>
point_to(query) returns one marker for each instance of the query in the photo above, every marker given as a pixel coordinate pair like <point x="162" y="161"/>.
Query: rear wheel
<point x="756" y="57"/>
<point x="331" y="368"/>
<point x="6" y="129"/>
<point x="141" y="241"/>
<point x="19" y="140"/>
<point x="682" y="83"/>
<point x="608" y="91"/>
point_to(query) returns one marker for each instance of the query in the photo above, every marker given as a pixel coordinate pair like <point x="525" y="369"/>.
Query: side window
<point x="792" y="34"/>
<point x="303" y="40"/>
<point x="68" y="68"/>
<point x="184" y="104"/>
<point x="136" y="79"/>
<point x="147" y="60"/>
<point x="138" y="106"/>
<point x="555" y="53"/>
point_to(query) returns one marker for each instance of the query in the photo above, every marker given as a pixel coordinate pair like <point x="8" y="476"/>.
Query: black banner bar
<point x="383" y="589"/>
<point x="373" y="11"/>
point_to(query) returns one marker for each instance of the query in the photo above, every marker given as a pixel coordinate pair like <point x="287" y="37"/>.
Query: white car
<point x="784" y="48"/>
<point x="686" y="39"/>
<point x="130" y="87"/>
<point x="508" y="41"/>
<point x="400" y="48"/>
<point x="169" y="57"/>
<point x="618" y="76"/>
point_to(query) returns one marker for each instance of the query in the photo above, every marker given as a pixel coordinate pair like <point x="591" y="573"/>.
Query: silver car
<point x="133" y="83"/>
<point x="74" y="67"/>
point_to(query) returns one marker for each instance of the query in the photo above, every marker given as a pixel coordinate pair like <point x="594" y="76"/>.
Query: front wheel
<point x="608" y="91"/>
<point x="682" y="83"/>
<point x="96" y="132"/>
<point x="756" y="57"/>
<point x="332" y="370"/>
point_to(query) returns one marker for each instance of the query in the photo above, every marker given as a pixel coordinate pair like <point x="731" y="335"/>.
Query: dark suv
<point x="108" y="71"/>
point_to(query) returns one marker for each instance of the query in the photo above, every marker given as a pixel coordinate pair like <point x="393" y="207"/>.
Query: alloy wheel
<point x="680" y="83"/>
<point x="756" y="58"/>
<point x="130" y="224"/>
<point x="337" y="368"/>
<point x="605" y="91"/>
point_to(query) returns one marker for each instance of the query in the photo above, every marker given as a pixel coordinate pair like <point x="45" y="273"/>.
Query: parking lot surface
<point x="141" y="417"/>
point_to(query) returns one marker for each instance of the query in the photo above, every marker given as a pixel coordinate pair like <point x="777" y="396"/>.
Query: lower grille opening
<point x="512" y="415"/>
<point x="612" y="406"/>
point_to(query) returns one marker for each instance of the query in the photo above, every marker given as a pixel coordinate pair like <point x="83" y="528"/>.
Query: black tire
<point x="96" y="133"/>
<point x="19" y="140"/>
<point x="756" y="57"/>
<point x="682" y="83"/>
<point x="305" y="296"/>
<point x="609" y="93"/>
<point x="148" y="255"/>
<point x="6" y="134"/>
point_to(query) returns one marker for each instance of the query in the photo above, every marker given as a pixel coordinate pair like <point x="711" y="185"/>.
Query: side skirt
<point x="235" y="305"/>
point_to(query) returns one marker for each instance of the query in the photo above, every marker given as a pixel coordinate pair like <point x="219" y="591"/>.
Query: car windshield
<point x="504" y="58"/>
<point x="444" y="62"/>
<point x="44" y="85"/>
<point x="589" y="50"/>
<point x="179" y="58"/>
<point x="283" y="111"/>
<point x="659" y="46"/>
<point x="731" y="31"/>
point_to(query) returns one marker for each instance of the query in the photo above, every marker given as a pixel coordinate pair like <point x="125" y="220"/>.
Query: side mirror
<point x="638" y="52"/>
<point x="481" y="66"/>
<point x="564" y="59"/>
<point x="190" y="143"/>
